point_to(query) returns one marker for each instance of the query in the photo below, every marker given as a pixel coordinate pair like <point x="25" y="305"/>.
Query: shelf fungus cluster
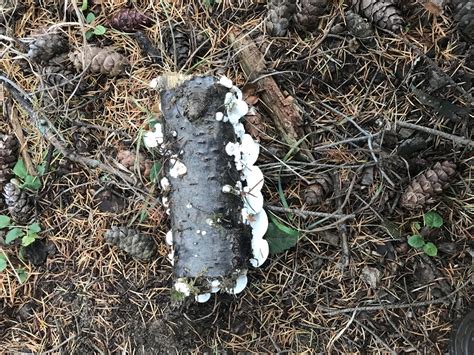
<point x="212" y="187"/>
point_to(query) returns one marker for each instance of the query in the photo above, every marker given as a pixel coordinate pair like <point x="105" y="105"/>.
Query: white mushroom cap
<point x="259" y="224"/>
<point x="236" y="108"/>
<point x="169" y="237"/>
<point x="250" y="150"/>
<point x="165" y="201"/>
<point x="170" y="256"/>
<point x="153" y="138"/>
<point x="215" y="286"/>
<point x="225" y="81"/>
<point x="182" y="286"/>
<point x="219" y="116"/>
<point x="239" y="130"/>
<point x="165" y="184"/>
<point x="234" y="89"/>
<point x="232" y="148"/>
<point x="254" y="177"/>
<point x="203" y="297"/>
<point x="260" y="251"/>
<point x="253" y="201"/>
<point x="149" y="140"/>
<point x="177" y="168"/>
<point x="240" y="284"/>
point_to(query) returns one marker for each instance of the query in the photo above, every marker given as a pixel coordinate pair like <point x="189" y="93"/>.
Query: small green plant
<point x="27" y="181"/>
<point x="20" y="273"/>
<point x="28" y="234"/>
<point x="431" y="219"/>
<point x="98" y="30"/>
<point x="280" y="237"/>
<point x="210" y="3"/>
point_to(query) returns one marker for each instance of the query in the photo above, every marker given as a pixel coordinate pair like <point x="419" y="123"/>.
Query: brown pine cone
<point x="383" y="13"/>
<point x="318" y="190"/>
<point x="18" y="202"/>
<point x="428" y="184"/>
<point x="129" y="160"/>
<point x="279" y="13"/>
<point x="131" y="241"/>
<point x="83" y="139"/>
<point x="129" y="20"/>
<point x="8" y="157"/>
<point x="42" y="49"/>
<point x="360" y="28"/>
<point x="464" y="16"/>
<point x="60" y="76"/>
<point x="179" y="48"/>
<point x="99" y="60"/>
<point x="308" y="12"/>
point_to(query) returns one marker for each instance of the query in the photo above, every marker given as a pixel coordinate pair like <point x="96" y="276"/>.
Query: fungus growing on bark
<point x="212" y="185"/>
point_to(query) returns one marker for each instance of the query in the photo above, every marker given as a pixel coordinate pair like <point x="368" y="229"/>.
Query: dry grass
<point x="91" y="298"/>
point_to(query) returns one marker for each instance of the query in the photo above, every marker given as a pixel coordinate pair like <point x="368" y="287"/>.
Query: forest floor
<point x="350" y="285"/>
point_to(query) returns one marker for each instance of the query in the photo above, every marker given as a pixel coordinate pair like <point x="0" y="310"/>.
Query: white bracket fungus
<point x="240" y="284"/>
<point x="165" y="184"/>
<point x="177" y="168"/>
<point x="203" y="297"/>
<point x="182" y="286"/>
<point x="154" y="138"/>
<point x="169" y="238"/>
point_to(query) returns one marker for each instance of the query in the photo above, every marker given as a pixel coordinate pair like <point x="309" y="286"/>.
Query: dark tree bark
<point x="208" y="236"/>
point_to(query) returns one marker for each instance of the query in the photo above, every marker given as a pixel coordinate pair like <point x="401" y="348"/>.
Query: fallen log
<point x="214" y="189"/>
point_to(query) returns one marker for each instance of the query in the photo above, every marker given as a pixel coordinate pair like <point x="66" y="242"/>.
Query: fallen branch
<point x="455" y="139"/>
<point x="333" y="312"/>
<point x="50" y="133"/>
<point x="305" y="214"/>
<point x="283" y="110"/>
<point x="11" y="113"/>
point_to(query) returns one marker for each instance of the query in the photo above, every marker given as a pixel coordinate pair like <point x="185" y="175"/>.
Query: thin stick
<point x="11" y="112"/>
<point x="379" y="339"/>
<point x="332" y="312"/>
<point x="59" y="346"/>
<point x="50" y="133"/>
<point x="455" y="139"/>
<point x="304" y="213"/>
<point x="342" y="226"/>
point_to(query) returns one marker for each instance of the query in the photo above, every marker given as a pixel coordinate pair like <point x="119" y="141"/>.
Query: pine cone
<point x="360" y="28"/>
<point x="308" y="12"/>
<point x="18" y="202"/>
<point x="8" y="157"/>
<point x="60" y="76"/>
<point x="464" y="16"/>
<point x="179" y="49"/>
<point x="278" y="18"/>
<point x="99" y="60"/>
<point x="129" y="20"/>
<point x="318" y="190"/>
<point x="128" y="159"/>
<point x="131" y="241"/>
<point x="383" y="13"/>
<point x="46" y="47"/>
<point x="428" y="184"/>
<point x="83" y="139"/>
